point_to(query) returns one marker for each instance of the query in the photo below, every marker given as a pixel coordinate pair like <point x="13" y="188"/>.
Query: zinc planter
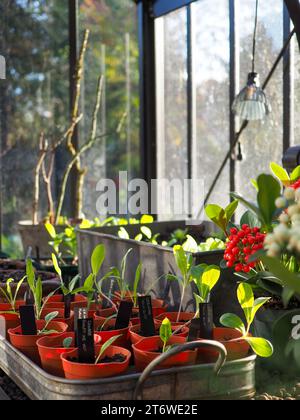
<point x="158" y="261"/>
<point x="50" y="351"/>
<point x="27" y="343"/>
<point x="106" y="368"/>
<point x="149" y="349"/>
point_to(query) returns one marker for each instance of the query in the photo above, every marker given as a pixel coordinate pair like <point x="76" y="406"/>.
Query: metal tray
<point x="235" y="380"/>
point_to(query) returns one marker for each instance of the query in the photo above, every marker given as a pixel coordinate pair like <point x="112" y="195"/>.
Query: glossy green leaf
<point x="280" y="173"/>
<point x="295" y="175"/>
<point x="181" y="259"/>
<point x="246" y="299"/>
<point x="268" y="191"/>
<point x="233" y="321"/>
<point x="50" y="229"/>
<point x="250" y="219"/>
<point x="251" y="206"/>
<point x="165" y="332"/>
<point x="287" y="279"/>
<point x="260" y="346"/>
<point x="258" y="303"/>
<point x="97" y="258"/>
<point x="230" y="209"/>
<point x="217" y="215"/>
<point x="56" y="265"/>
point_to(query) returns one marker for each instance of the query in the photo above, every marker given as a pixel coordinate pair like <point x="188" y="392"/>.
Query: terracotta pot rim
<point x="121" y="350"/>
<point x="12" y="331"/>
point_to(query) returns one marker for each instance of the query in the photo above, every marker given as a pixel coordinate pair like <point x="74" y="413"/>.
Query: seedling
<point x="165" y="333"/>
<point x="189" y="272"/>
<point x="67" y="343"/>
<point x="205" y="277"/>
<point x="8" y="294"/>
<point x="101" y="328"/>
<point x="106" y="346"/>
<point x="221" y="217"/>
<point x="48" y="318"/>
<point x="260" y="346"/>
<point x="66" y="239"/>
<point x="36" y="287"/>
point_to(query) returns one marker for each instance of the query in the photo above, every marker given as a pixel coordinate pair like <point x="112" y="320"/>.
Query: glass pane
<point x="112" y="52"/>
<point x="171" y="58"/>
<point x="34" y="98"/>
<point x="297" y="93"/>
<point x="211" y="77"/>
<point x="262" y="142"/>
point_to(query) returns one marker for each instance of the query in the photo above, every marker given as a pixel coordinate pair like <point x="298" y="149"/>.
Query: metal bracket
<point x="291" y="158"/>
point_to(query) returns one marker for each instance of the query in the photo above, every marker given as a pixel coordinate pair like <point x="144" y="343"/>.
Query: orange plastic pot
<point x="173" y="316"/>
<point x="7" y="322"/>
<point x="80" y="301"/>
<point x="135" y="336"/>
<point x="27" y="343"/>
<point x="146" y="350"/>
<point x="83" y="371"/>
<point x="50" y="351"/>
<point x="123" y="341"/>
<point x="235" y="349"/>
<point x="60" y="317"/>
<point x="4" y="307"/>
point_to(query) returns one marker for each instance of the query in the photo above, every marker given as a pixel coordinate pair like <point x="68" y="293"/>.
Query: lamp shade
<point x="251" y="104"/>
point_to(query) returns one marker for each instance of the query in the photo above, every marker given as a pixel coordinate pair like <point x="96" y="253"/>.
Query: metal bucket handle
<point x="176" y="350"/>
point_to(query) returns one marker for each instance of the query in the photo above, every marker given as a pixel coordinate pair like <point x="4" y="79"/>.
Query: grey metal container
<point x="235" y="381"/>
<point x="158" y="261"/>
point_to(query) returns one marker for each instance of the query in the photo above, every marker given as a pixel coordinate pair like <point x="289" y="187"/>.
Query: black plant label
<point x="27" y="318"/>
<point x="79" y="313"/>
<point x="85" y="341"/>
<point x="67" y="301"/>
<point x="124" y="314"/>
<point x="206" y="321"/>
<point x="194" y="331"/>
<point x="146" y="316"/>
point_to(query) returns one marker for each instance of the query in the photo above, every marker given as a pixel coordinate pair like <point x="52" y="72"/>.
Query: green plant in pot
<point x="10" y="296"/>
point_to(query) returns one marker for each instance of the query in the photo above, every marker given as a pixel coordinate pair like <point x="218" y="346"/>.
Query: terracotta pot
<point x="80" y="301"/>
<point x="146" y="350"/>
<point x="172" y="316"/>
<point x="83" y="371"/>
<point x="4" y="307"/>
<point x="236" y="349"/>
<point x="51" y="348"/>
<point x="60" y="317"/>
<point x="27" y="343"/>
<point x="135" y="336"/>
<point x="8" y="321"/>
<point x="123" y="341"/>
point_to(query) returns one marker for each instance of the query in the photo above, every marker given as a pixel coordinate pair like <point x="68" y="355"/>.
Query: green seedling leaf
<point x="97" y="259"/>
<point x="146" y="232"/>
<point x="146" y="219"/>
<point x="123" y="234"/>
<point x="51" y="316"/>
<point x="246" y="299"/>
<point x="106" y="346"/>
<point x="181" y="259"/>
<point x="56" y="265"/>
<point x="210" y="278"/>
<point x="51" y="230"/>
<point x="258" y="303"/>
<point x="30" y="273"/>
<point x="295" y="175"/>
<point x="67" y="343"/>
<point x="268" y="191"/>
<point x="165" y="332"/>
<point x="281" y="174"/>
<point x="233" y="321"/>
<point x="137" y="279"/>
<point x="260" y="346"/>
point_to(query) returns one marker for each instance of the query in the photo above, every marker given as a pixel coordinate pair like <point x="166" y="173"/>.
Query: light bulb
<point x="251" y="104"/>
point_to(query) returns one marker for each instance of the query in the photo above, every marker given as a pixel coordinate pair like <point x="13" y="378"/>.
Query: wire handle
<point x="176" y="350"/>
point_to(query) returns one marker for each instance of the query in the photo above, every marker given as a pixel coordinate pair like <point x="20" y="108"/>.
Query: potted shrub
<point x="27" y="343"/>
<point x="149" y="348"/>
<point x="236" y="337"/>
<point x="110" y="361"/>
<point x="51" y="348"/>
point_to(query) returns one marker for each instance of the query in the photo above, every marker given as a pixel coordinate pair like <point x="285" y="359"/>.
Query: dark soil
<point x="17" y="275"/>
<point x="12" y="265"/>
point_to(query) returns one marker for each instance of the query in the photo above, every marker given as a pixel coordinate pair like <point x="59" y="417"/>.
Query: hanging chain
<point x="254" y="37"/>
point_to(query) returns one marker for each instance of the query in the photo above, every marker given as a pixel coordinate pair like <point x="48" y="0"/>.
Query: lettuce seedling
<point x="205" y="277"/>
<point x="8" y="294"/>
<point x="260" y="346"/>
<point x="67" y="342"/>
<point x="165" y="333"/>
<point x="48" y="318"/>
<point x="106" y="346"/>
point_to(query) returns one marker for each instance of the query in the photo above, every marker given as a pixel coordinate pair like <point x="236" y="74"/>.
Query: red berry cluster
<point x="242" y="244"/>
<point x="296" y="185"/>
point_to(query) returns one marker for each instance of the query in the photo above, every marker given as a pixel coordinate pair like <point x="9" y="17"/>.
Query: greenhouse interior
<point x="143" y="283"/>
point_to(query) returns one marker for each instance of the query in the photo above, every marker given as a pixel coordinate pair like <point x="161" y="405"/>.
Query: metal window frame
<point x="163" y="7"/>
